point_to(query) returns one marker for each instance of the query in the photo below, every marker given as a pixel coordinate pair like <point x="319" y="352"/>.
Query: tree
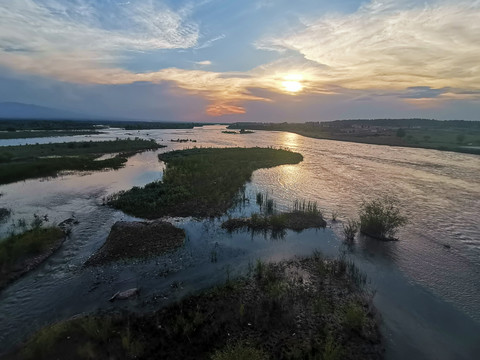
<point x="401" y="133"/>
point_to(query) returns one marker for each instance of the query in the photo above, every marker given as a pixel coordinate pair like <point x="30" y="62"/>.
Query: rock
<point x="125" y="294"/>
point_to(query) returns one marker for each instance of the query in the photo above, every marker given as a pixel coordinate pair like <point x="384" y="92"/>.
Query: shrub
<point x="381" y="218"/>
<point x="350" y="229"/>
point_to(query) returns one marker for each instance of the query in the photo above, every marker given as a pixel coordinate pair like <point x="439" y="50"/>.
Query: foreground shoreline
<point x="305" y="307"/>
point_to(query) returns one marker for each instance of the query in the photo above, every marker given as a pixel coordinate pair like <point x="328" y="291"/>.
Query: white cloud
<point x="103" y="30"/>
<point x="394" y="45"/>
<point x="203" y="63"/>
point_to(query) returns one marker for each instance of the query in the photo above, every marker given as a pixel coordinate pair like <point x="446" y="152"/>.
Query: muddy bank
<point x="137" y="240"/>
<point x="307" y="308"/>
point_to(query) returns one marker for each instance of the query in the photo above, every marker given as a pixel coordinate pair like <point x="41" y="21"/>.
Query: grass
<point x="271" y="314"/>
<point x="201" y="182"/>
<point x="239" y="351"/>
<point x="380" y="218"/>
<point x="42" y="160"/>
<point x="20" y="253"/>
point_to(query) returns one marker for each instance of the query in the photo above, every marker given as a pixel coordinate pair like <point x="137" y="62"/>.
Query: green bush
<point x="350" y="230"/>
<point x="381" y="218"/>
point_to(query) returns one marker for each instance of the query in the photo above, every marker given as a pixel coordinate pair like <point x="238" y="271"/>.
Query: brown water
<point x="427" y="293"/>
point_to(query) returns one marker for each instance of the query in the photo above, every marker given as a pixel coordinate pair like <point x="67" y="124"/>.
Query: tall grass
<point x="304" y="206"/>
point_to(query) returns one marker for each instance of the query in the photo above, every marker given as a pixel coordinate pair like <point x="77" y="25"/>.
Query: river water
<point x="427" y="293"/>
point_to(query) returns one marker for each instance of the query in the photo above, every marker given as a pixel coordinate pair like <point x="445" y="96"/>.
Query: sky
<point x="228" y="61"/>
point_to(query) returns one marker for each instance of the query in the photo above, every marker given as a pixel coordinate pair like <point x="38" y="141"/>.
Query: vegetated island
<point x="201" y="182"/>
<point x="135" y="240"/>
<point x="450" y="135"/>
<point x="309" y="308"/>
<point x="24" y="252"/>
<point x="41" y="160"/>
<point x="242" y="131"/>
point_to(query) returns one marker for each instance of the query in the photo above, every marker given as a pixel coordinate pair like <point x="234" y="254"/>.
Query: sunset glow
<point x="401" y="55"/>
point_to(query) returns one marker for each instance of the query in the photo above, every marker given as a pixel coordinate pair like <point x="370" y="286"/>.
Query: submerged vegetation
<point x="300" y="309"/>
<point x="199" y="182"/>
<point x="304" y="215"/>
<point x="294" y="220"/>
<point x="20" y="253"/>
<point x="31" y="161"/>
<point x="350" y="229"/>
<point x="381" y="218"/>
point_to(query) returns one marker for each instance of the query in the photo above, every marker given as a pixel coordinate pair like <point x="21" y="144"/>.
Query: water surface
<point x="427" y="293"/>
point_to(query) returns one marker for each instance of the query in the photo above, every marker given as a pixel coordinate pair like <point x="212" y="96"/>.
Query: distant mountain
<point x="15" y="110"/>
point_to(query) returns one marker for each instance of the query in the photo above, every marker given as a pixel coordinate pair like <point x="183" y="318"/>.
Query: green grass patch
<point x="22" y="252"/>
<point x="42" y="160"/>
<point x="199" y="182"/>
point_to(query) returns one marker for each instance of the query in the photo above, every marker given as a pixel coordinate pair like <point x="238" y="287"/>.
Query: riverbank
<point x="26" y="134"/>
<point x="304" y="308"/>
<point x="456" y="139"/>
<point x="201" y="182"/>
<point x="23" y="252"/>
<point x="42" y="160"/>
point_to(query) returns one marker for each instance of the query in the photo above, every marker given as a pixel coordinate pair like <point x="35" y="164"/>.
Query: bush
<point x="381" y="218"/>
<point x="350" y="229"/>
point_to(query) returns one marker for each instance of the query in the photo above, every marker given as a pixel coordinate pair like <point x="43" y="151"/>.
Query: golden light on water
<point x="292" y="83"/>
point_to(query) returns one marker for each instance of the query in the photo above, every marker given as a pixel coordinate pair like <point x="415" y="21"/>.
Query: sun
<point x="292" y="83"/>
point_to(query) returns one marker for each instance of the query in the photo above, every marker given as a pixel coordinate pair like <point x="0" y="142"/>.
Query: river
<point x="427" y="284"/>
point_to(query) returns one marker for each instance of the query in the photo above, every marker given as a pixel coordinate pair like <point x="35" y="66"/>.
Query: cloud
<point x="390" y="48"/>
<point x="203" y="63"/>
<point x="87" y="34"/>
<point x="209" y="42"/>
<point x="393" y="45"/>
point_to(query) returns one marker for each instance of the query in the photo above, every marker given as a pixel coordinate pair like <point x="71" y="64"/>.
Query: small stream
<point x="427" y="293"/>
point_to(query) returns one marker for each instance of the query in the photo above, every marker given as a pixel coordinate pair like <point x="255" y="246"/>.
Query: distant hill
<point x="15" y="110"/>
